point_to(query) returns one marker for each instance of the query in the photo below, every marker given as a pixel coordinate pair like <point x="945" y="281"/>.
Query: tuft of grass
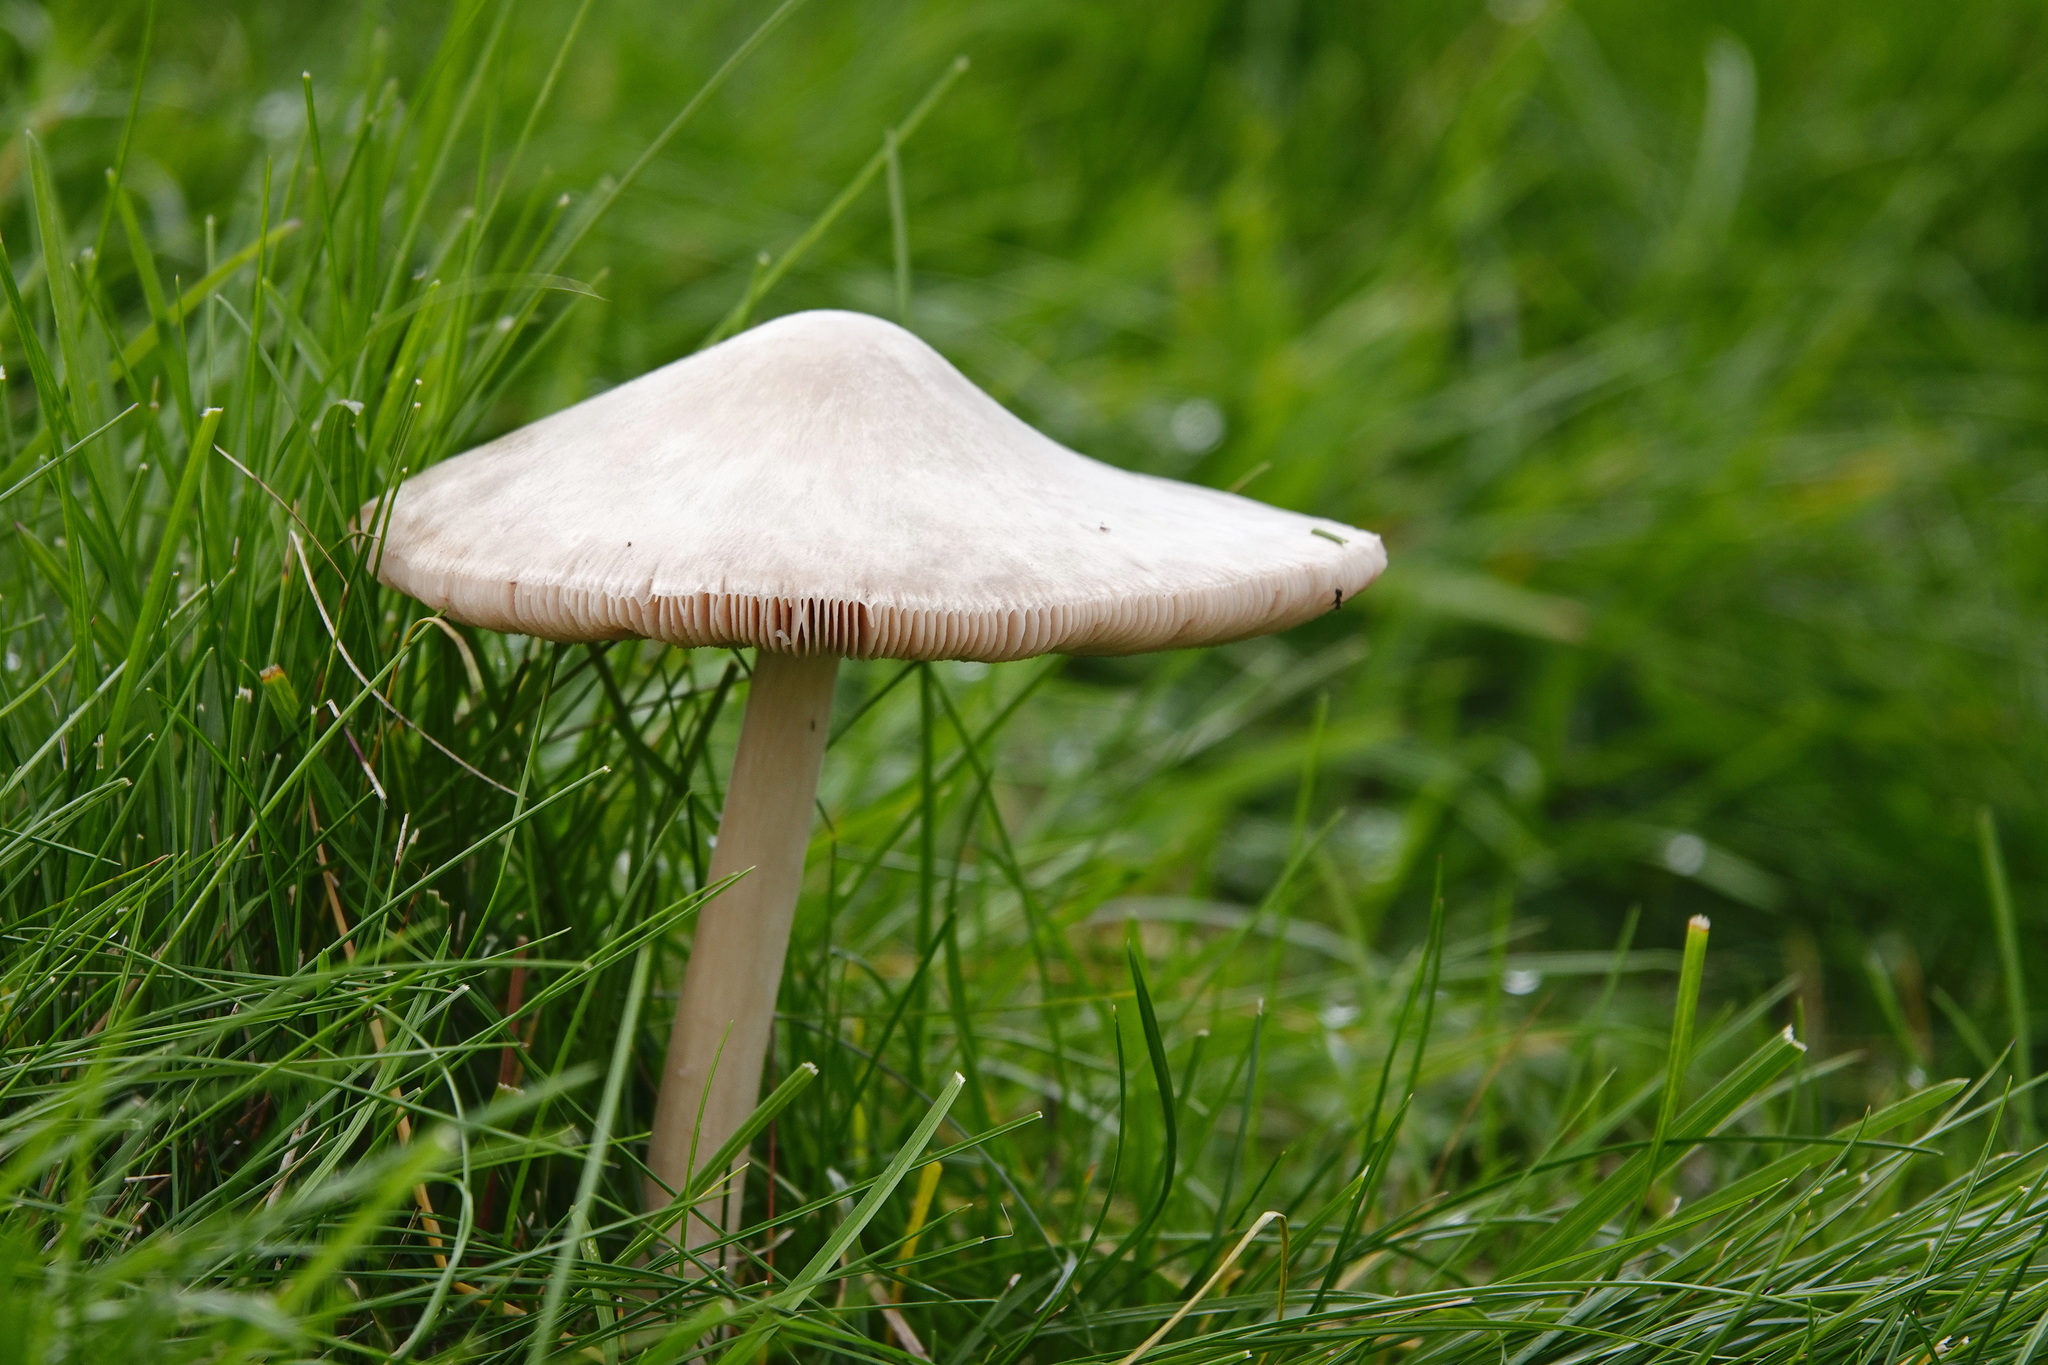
<point x="335" y="939"/>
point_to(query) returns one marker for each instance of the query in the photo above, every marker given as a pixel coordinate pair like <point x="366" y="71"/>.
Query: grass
<point x="1327" y="997"/>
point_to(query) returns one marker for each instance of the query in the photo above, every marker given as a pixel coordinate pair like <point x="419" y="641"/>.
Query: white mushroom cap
<point x="828" y="483"/>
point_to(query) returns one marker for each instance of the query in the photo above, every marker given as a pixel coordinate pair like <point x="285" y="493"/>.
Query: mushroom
<point x="827" y="486"/>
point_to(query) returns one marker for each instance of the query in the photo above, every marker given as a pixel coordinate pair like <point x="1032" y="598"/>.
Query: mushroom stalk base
<point x="726" y="1015"/>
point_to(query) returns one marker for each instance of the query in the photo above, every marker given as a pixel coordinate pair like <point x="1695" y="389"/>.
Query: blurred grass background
<point x="1689" y="359"/>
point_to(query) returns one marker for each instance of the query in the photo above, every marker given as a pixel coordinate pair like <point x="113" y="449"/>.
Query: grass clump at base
<point x="338" y="939"/>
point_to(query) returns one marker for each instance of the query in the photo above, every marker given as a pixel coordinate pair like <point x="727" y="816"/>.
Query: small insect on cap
<point x="828" y="483"/>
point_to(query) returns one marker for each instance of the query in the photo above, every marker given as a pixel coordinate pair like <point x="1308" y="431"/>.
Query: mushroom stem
<point x="726" y="1015"/>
